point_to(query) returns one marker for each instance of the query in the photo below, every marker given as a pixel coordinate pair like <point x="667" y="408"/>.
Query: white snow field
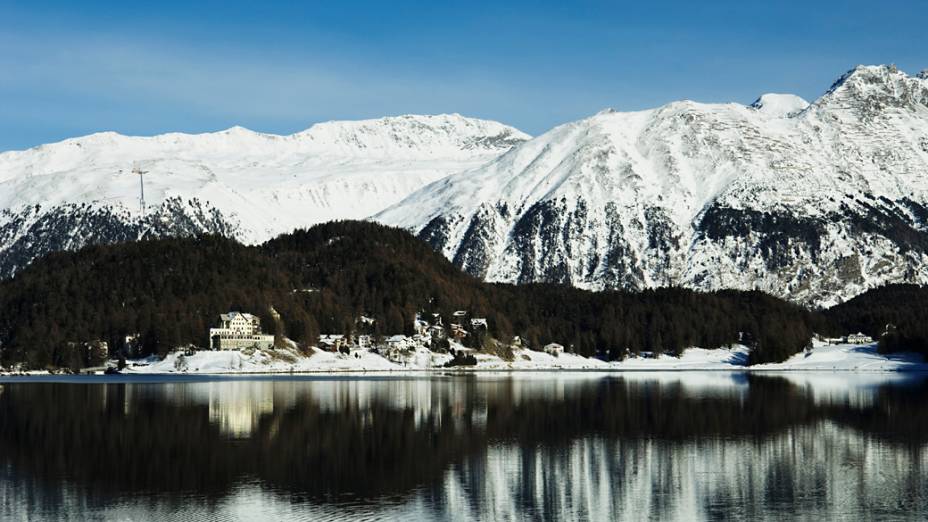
<point x="265" y="183"/>
<point x="853" y="358"/>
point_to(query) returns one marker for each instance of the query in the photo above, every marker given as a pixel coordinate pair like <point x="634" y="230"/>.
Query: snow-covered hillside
<point x="824" y="358"/>
<point x="812" y="202"/>
<point x="237" y="182"/>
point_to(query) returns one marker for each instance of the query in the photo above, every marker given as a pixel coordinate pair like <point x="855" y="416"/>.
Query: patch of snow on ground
<point x="857" y="358"/>
<point x="849" y="357"/>
<point x="692" y="359"/>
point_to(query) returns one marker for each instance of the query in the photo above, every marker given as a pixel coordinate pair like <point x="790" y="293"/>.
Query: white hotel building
<point x="239" y="330"/>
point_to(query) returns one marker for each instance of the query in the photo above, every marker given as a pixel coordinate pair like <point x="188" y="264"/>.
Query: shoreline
<point x="6" y="377"/>
<point x="863" y="359"/>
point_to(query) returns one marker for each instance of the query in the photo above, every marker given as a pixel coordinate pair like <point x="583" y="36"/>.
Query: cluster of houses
<point x="239" y="330"/>
<point x="857" y="338"/>
<point x="456" y="329"/>
<point x="425" y="331"/>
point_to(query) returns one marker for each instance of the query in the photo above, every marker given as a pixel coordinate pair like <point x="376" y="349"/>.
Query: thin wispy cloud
<point x="217" y="84"/>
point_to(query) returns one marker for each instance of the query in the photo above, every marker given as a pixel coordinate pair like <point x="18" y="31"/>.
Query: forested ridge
<point x="168" y="292"/>
<point x="897" y="315"/>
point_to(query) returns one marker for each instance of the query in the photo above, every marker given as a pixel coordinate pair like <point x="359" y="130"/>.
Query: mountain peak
<point x="779" y="105"/>
<point x="922" y="75"/>
<point x="237" y="130"/>
<point x="865" y="73"/>
<point x="433" y="134"/>
<point x="692" y="194"/>
<point x="868" y="89"/>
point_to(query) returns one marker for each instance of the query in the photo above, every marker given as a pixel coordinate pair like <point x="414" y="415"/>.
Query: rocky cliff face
<point x="35" y="231"/>
<point x="812" y="202"/>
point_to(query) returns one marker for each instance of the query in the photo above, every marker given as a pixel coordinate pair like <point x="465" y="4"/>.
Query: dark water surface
<point x="679" y="446"/>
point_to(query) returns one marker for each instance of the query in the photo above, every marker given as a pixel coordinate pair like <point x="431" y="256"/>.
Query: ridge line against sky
<point x="279" y="67"/>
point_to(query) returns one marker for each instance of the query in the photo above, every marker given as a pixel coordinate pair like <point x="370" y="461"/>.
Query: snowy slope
<point x="812" y="202"/>
<point x="237" y="182"/>
<point x="830" y="358"/>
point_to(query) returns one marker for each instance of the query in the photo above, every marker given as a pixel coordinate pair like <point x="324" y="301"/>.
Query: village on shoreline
<point x="239" y="346"/>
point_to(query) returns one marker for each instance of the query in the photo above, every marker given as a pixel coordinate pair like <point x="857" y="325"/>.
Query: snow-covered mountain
<point x="240" y="183"/>
<point x="813" y="202"/>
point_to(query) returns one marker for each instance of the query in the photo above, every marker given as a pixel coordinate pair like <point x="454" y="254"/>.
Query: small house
<point x="419" y="326"/>
<point x="437" y="331"/>
<point x="397" y="342"/>
<point x="554" y="349"/>
<point x="478" y="322"/>
<point x="859" y="338"/>
<point x="458" y="332"/>
<point x="332" y="342"/>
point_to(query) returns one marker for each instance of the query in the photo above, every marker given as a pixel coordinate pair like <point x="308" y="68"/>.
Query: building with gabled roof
<point x="239" y="330"/>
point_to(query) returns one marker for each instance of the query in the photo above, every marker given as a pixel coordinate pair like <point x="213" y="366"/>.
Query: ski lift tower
<point x="136" y="169"/>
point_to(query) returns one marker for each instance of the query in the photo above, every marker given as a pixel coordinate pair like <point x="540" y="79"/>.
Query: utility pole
<point x="136" y="169"/>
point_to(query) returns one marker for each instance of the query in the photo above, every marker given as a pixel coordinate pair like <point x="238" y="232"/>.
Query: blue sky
<point x="72" y="68"/>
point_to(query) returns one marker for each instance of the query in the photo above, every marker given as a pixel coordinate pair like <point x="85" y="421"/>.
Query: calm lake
<point x="674" y="446"/>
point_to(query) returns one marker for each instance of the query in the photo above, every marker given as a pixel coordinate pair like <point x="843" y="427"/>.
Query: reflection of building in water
<point x="583" y="462"/>
<point x="237" y="407"/>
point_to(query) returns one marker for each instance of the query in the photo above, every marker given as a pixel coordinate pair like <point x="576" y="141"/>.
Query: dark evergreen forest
<point x="897" y="315"/>
<point x="168" y="292"/>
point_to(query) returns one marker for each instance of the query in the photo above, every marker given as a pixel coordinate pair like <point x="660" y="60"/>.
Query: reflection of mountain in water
<point x="662" y="446"/>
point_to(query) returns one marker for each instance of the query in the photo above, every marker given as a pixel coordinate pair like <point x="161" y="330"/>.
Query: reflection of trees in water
<point x="898" y="414"/>
<point x="654" y="410"/>
<point x="614" y="432"/>
<point x="81" y="432"/>
<point x="369" y="453"/>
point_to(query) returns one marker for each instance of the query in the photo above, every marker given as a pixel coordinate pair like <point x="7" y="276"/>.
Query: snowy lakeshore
<point x="822" y="358"/>
<point x="845" y="357"/>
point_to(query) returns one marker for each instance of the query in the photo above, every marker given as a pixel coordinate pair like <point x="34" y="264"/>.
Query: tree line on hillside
<point x="166" y="293"/>
<point x="897" y="315"/>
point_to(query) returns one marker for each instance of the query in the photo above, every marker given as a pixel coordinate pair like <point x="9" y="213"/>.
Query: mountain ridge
<point x="814" y="202"/>
<point x="252" y="185"/>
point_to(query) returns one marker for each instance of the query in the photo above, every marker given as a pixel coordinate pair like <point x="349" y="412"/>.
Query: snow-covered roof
<point x="236" y="315"/>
